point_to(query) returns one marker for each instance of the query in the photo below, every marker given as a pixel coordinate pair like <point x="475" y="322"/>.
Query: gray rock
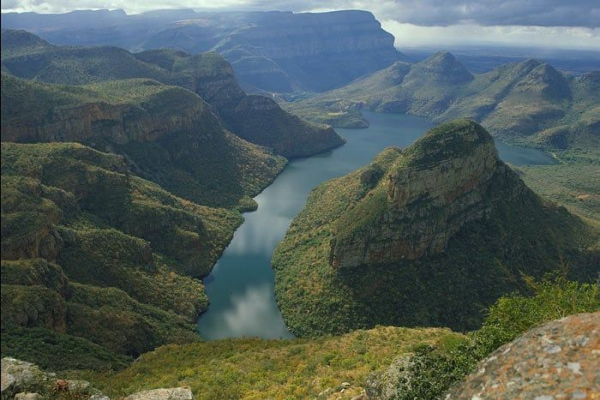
<point x="20" y="376"/>
<point x="28" y="396"/>
<point x="181" y="393"/>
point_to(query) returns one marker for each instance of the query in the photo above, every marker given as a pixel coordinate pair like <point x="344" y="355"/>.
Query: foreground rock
<point x="25" y="381"/>
<point x="558" y="360"/>
<point x="163" y="394"/>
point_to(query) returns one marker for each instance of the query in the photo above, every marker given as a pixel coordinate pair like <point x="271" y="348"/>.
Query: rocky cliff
<point x="422" y="236"/>
<point x="309" y="51"/>
<point x="254" y="118"/>
<point x="440" y="185"/>
<point x="168" y="134"/>
<point x="270" y="51"/>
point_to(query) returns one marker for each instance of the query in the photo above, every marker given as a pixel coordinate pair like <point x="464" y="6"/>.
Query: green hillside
<point x="167" y="134"/>
<point x="254" y="118"/>
<point x="87" y="244"/>
<point x="428" y="236"/>
<point x="528" y="102"/>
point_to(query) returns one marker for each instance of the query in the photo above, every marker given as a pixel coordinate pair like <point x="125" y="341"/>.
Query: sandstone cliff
<point x="270" y="51"/>
<point x="256" y="119"/>
<point x="438" y="186"/>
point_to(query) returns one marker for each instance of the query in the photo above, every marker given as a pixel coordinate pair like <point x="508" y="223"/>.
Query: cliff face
<point x="270" y="51"/>
<point x="423" y="236"/>
<point x="256" y="119"/>
<point x="309" y="51"/>
<point x="105" y="123"/>
<point x="429" y="198"/>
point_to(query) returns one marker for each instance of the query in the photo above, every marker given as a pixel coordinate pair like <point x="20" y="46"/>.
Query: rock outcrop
<point x="25" y="381"/>
<point x="439" y="186"/>
<point x="180" y="393"/>
<point x="554" y="361"/>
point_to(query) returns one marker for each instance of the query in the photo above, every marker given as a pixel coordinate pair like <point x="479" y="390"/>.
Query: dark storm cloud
<point x="571" y="13"/>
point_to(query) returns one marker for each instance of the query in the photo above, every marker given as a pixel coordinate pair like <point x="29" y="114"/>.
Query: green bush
<point x="433" y="370"/>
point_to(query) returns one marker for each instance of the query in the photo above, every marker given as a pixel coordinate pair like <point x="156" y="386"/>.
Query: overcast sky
<point x="555" y="23"/>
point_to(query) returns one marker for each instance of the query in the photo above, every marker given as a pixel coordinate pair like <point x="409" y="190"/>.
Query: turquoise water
<point x="240" y="287"/>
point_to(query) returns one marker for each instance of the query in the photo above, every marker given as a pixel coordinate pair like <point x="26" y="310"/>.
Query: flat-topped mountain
<point x="423" y="236"/>
<point x="168" y="134"/>
<point x="269" y="51"/>
<point x="255" y="118"/>
<point x="528" y="101"/>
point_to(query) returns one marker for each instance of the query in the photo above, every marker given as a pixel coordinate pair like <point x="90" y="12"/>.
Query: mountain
<point x="269" y="51"/>
<point x="528" y="102"/>
<point x="255" y="118"/>
<point x="425" y="236"/>
<point x="168" y="134"/>
<point x="87" y="243"/>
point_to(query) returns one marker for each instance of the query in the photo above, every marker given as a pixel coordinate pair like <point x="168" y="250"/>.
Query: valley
<point x="270" y="204"/>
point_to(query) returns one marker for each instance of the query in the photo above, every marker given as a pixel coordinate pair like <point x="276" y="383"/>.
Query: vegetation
<point x="527" y="103"/>
<point x="256" y="368"/>
<point x="449" y="288"/>
<point x="256" y="119"/>
<point x="168" y="134"/>
<point x="85" y="243"/>
<point x="432" y="370"/>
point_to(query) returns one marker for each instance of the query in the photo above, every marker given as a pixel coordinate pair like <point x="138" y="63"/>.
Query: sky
<point x="546" y="23"/>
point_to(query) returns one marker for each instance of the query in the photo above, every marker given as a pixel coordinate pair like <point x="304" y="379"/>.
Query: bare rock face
<point x="558" y="360"/>
<point x="438" y="185"/>
<point x="118" y="124"/>
<point x="180" y="393"/>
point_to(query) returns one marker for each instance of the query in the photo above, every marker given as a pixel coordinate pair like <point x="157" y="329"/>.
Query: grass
<point x="256" y="368"/>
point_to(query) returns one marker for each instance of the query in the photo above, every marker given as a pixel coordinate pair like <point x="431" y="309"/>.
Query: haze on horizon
<point x="542" y="23"/>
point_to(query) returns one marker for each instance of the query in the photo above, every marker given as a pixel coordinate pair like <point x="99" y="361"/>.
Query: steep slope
<point x="527" y="102"/>
<point x="424" y="236"/>
<point x="257" y="119"/>
<point x="254" y="118"/>
<point x="270" y="51"/>
<point x="87" y="244"/>
<point x="169" y="135"/>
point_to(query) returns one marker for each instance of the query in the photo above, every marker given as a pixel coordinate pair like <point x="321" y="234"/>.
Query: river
<point x="241" y="285"/>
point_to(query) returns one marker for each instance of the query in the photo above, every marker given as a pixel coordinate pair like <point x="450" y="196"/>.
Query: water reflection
<point x="240" y="286"/>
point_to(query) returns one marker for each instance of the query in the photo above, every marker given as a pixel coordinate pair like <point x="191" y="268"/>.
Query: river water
<point x="241" y="285"/>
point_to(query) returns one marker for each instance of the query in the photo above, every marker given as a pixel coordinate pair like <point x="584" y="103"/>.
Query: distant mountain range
<point x="528" y="101"/>
<point x="269" y="51"/>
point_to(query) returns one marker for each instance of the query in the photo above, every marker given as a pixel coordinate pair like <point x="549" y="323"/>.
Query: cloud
<point x="408" y="35"/>
<point x="572" y="13"/>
